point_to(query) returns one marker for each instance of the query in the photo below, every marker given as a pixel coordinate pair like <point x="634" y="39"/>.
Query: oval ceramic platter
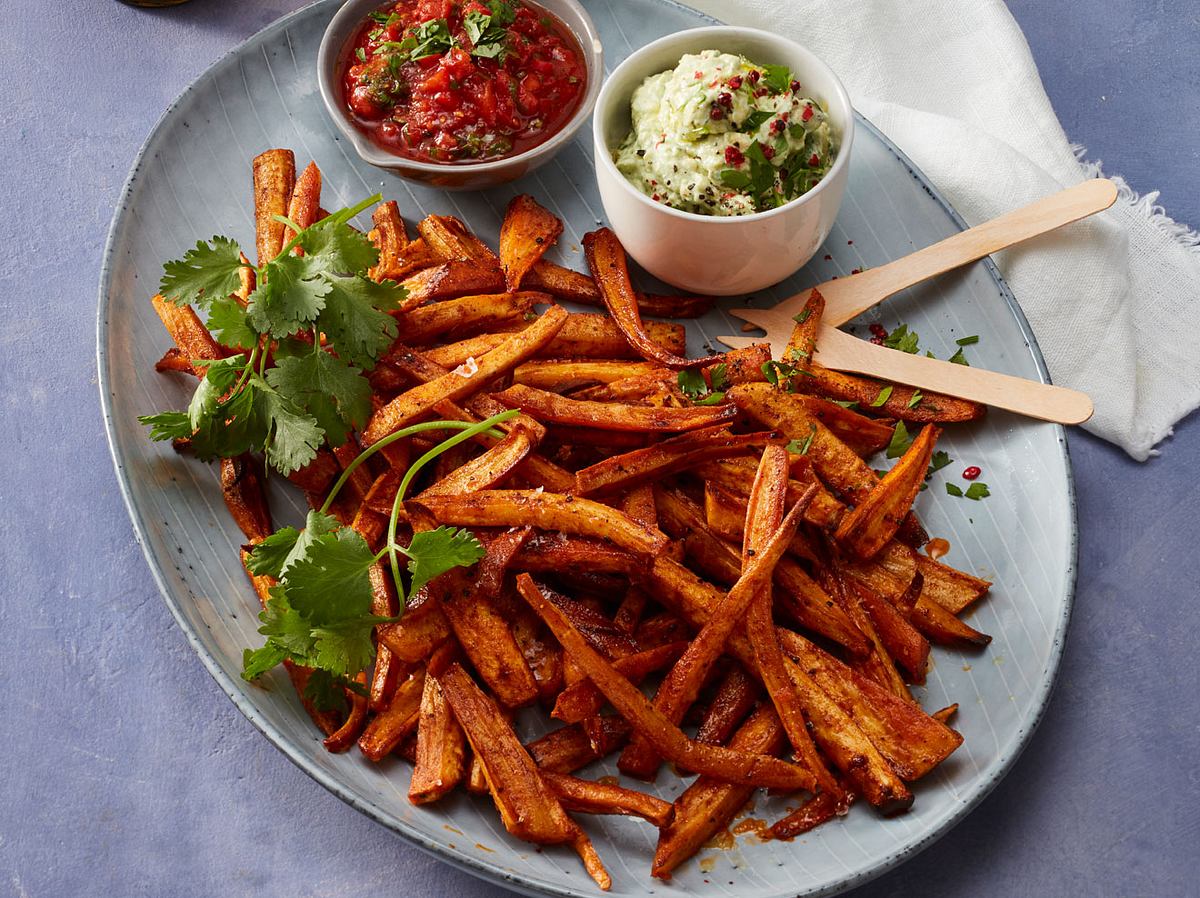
<point x="192" y="180"/>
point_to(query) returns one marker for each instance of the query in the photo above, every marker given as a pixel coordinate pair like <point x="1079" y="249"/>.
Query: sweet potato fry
<point x="189" y="333"/>
<point x="528" y="807"/>
<point x="803" y="341"/>
<point x="454" y="354"/>
<point x="708" y="804"/>
<point x="422" y="629"/>
<point x="902" y="402"/>
<point x="569" y="748"/>
<point x="904" y="644"/>
<point x="388" y="668"/>
<point x="546" y="511"/>
<point x="561" y="375"/>
<point x="412" y="404"/>
<point x="576" y="287"/>
<point x="467" y="314"/>
<point x="485" y="470"/>
<point x="452" y="240"/>
<point x="390" y="237"/>
<point x="542" y="653"/>
<point x="835" y="462"/>
<point x="737" y="475"/>
<point x="582" y="699"/>
<point x="416" y="256"/>
<point x="244" y="492"/>
<point x="441" y="748"/>
<point x="665" y="737"/>
<point x="389" y="727"/>
<point x="550" y="407"/>
<point x="764" y="514"/>
<point x="487" y="640"/>
<point x="735" y="698"/>
<point x="605" y="798"/>
<point x="953" y="589"/>
<point x="274" y="179"/>
<point x="585" y="335"/>
<point x="347" y="734"/>
<point x="552" y="552"/>
<point x="864" y="435"/>
<point x="305" y="201"/>
<point x="527" y="232"/>
<point x="680" y="687"/>
<point x="938" y="625"/>
<point x="817" y="810"/>
<point x="795" y="590"/>
<point x="875" y="520"/>
<point x="447" y="280"/>
<point x="606" y="259"/>
<point x="835" y="731"/>
<point x="668" y="457"/>
<point x="877" y="664"/>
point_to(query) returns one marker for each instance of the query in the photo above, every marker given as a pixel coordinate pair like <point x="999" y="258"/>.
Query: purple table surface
<point x="127" y="772"/>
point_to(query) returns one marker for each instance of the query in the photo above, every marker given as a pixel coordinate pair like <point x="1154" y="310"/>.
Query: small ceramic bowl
<point x="720" y="256"/>
<point x="455" y="175"/>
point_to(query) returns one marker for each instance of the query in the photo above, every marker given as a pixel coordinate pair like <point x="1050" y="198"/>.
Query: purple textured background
<point x="127" y="772"/>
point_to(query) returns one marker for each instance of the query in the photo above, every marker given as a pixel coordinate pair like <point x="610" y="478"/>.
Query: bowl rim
<point x="330" y="51"/>
<point x="604" y="152"/>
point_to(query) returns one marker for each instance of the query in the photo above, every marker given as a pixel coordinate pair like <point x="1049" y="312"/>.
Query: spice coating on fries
<point x="524" y="516"/>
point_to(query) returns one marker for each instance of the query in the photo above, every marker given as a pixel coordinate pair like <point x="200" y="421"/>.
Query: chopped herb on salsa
<point x="446" y="81"/>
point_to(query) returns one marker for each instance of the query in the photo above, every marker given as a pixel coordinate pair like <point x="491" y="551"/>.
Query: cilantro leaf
<point x="294" y="436"/>
<point x="755" y="120"/>
<point x="290" y="297"/>
<point x="884" y="395"/>
<point x="846" y="403"/>
<point x="234" y="426"/>
<point x="330" y="583"/>
<point x="902" y="338"/>
<point x="344" y="647"/>
<point x="968" y="341"/>
<point x="719" y="376"/>
<point x="954" y="490"/>
<point x="939" y="460"/>
<point x="692" y="383"/>
<point x="219" y="376"/>
<point x="433" y="552"/>
<point x="230" y="324"/>
<point x="732" y="177"/>
<point x="324" y="691"/>
<point x="354" y="320"/>
<point x="959" y="359"/>
<point x="332" y="247"/>
<point x="503" y="12"/>
<point x="475" y="23"/>
<point x="978" y="490"/>
<point x="285" y="627"/>
<point x="256" y="662"/>
<point x="801" y="447"/>
<point x="267" y="559"/>
<point x="167" y="425"/>
<point x="333" y="392"/>
<point x="777" y="77"/>
<point x="207" y="272"/>
<point x="900" y="441"/>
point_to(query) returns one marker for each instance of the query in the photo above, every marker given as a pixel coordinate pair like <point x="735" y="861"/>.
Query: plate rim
<point x="484" y="869"/>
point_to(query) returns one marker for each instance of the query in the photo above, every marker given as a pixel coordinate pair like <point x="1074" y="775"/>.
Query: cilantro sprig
<point x="701" y="391"/>
<point x="319" y="614"/>
<point x="314" y="312"/>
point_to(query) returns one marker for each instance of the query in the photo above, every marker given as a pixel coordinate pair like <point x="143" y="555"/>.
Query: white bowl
<point x="720" y="256"/>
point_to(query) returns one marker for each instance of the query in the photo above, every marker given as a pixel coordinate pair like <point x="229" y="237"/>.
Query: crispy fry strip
<point x="875" y="520"/>
<point x="391" y="239"/>
<point x="441" y="748"/>
<point x="305" y="201"/>
<point x="189" y="333"/>
<point x="485" y="470"/>
<point x="903" y="401"/>
<point x="668" y="457"/>
<point x="422" y="629"/>
<point x="447" y="280"/>
<point x="582" y="699"/>
<point x="450" y="239"/>
<point x="817" y="810"/>
<point x="561" y="375"/>
<point x="576" y="287"/>
<point x="605" y="798"/>
<point x="609" y="416"/>
<point x="527" y="232"/>
<point x="274" y="179"/>
<point x="586" y="335"/>
<point x="606" y="259"/>
<point x="709" y="804"/>
<point x="411" y="405"/>
<point x="546" y="511"/>
<point x="390" y="727"/>
<point x="243" y="488"/>
<point x="764" y="514"/>
<point x="667" y="739"/>
<point x="466" y="314"/>
<point x="734" y="699"/>
<point x="349" y="731"/>
<point x="557" y="552"/>
<point x="569" y="748"/>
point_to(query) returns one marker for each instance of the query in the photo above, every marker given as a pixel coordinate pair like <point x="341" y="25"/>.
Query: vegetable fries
<point x="518" y="507"/>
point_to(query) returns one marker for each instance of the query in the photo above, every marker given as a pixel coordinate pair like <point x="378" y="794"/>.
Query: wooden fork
<point x="848" y="297"/>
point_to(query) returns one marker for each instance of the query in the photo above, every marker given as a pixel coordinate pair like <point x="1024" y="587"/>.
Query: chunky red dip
<point x="453" y="81"/>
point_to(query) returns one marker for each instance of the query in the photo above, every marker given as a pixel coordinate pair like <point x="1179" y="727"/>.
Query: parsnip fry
<point x="528" y="231"/>
<point x="903" y="402"/>
<point x="391" y="239"/>
<point x="351" y="728"/>
<point x="576" y="287"/>
<point x="189" y="333"/>
<point x="561" y="375"/>
<point x="667" y="739"/>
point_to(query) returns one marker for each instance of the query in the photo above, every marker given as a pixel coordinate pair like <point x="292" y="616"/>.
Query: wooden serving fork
<point x="848" y="297"/>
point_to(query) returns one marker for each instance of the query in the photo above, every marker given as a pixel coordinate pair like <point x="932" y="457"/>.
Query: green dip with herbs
<point x="720" y="135"/>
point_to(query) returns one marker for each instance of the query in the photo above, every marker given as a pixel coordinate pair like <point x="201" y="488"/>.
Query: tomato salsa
<point x="462" y="80"/>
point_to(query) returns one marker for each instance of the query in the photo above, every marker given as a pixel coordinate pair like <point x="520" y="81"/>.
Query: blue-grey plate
<point x="192" y="180"/>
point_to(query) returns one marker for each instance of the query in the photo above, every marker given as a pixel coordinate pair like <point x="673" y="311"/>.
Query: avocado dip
<point x="720" y="135"/>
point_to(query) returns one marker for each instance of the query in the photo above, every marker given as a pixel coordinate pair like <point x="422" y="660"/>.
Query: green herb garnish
<point x="900" y="441"/>
<point x="884" y="395"/>
<point x="700" y="391"/>
<point x="801" y="447"/>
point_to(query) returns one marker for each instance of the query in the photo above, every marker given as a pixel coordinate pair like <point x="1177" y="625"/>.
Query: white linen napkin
<point x="1115" y="300"/>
